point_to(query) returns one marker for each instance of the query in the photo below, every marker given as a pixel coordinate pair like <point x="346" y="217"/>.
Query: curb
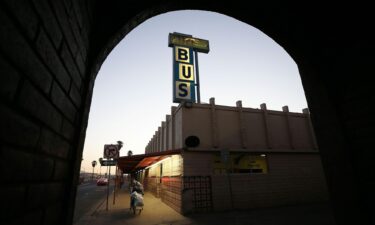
<point x="89" y="216"/>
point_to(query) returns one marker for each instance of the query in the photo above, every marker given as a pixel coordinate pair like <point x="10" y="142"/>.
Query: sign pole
<point x="109" y="181"/>
<point x="110" y="151"/>
<point x="197" y="76"/>
<point x="106" y="207"/>
<point x="114" y="190"/>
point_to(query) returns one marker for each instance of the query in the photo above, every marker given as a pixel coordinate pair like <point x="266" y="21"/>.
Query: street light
<point x="93" y="163"/>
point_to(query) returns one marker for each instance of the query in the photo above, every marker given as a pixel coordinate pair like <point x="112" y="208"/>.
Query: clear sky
<point x="133" y="90"/>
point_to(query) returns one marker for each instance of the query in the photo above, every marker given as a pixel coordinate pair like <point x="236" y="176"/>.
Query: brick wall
<point x="43" y="59"/>
<point x="171" y="188"/>
<point x="152" y="185"/>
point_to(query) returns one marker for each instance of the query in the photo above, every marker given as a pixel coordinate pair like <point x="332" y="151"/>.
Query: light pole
<point x="93" y="163"/>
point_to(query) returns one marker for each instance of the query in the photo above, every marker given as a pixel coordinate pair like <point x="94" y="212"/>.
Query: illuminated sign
<point x="183" y="90"/>
<point x="240" y="163"/>
<point x="186" y="72"/>
<point x="197" y="44"/>
<point x="183" y="55"/>
<point x="183" y="75"/>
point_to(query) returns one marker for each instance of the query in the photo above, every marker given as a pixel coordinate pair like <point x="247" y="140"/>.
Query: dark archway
<point x="51" y="51"/>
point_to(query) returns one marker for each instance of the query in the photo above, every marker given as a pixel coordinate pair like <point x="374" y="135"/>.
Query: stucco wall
<point x="236" y="127"/>
<point x="291" y="179"/>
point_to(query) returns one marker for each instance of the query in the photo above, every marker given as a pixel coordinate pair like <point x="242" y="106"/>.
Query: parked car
<point x="102" y="181"/>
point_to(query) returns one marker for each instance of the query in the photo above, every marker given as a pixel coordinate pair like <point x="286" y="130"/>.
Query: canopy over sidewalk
<point x="130" y="164"/>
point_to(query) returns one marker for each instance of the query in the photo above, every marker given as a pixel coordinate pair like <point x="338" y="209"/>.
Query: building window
<point x="240" y="163"/>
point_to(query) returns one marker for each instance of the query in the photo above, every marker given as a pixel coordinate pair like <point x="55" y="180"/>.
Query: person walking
<point x="136" y="186"/>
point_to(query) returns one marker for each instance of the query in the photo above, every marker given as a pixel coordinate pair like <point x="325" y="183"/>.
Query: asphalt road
<point x="89" y="196"/>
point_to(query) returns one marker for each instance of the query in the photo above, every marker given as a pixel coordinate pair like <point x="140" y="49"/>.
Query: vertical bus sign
<point x="183" y="74"/>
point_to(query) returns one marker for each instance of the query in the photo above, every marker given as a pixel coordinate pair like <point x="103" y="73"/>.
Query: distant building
<point x="208" y="157"/>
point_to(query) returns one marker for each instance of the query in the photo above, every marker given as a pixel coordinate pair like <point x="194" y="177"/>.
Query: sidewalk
<point x="157" y="213"/>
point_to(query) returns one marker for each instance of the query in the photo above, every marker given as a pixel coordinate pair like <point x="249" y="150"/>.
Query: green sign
<point x="108" y="162"/>
<point x="199" y="45"/>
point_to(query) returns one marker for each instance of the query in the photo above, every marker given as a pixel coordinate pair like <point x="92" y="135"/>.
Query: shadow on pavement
<point x="157" y="213"/>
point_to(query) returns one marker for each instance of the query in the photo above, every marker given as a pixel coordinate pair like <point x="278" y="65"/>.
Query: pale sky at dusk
<point x="133" y="90"/>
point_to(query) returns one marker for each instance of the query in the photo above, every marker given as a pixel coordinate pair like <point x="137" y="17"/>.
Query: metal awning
<point x="130" y="164"/>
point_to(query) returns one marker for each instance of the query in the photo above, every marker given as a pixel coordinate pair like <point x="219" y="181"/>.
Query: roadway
<point x="89" y="197"/>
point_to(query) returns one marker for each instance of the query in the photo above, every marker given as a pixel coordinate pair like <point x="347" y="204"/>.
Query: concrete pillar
<point x="163" y="147"/>
<point x="214" y="127"/>
<point x="263" y="107"/>
<point x="305" y="111"/>
<point x="155" y="142"/>
<point x="309" y="125"/>
<point x="242" y="125"/>
<point x="167" y="133"/>
<point x="159" y="140"/>
<point x="173" y="124"/>
<point x="290" y="134"/>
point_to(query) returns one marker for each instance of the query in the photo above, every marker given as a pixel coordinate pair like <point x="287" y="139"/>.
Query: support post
<point x="106" y="206"/>
<point x="197" y="84"/>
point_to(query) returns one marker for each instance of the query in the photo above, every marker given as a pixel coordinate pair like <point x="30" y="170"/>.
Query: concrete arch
<point x="51" y="51"/>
